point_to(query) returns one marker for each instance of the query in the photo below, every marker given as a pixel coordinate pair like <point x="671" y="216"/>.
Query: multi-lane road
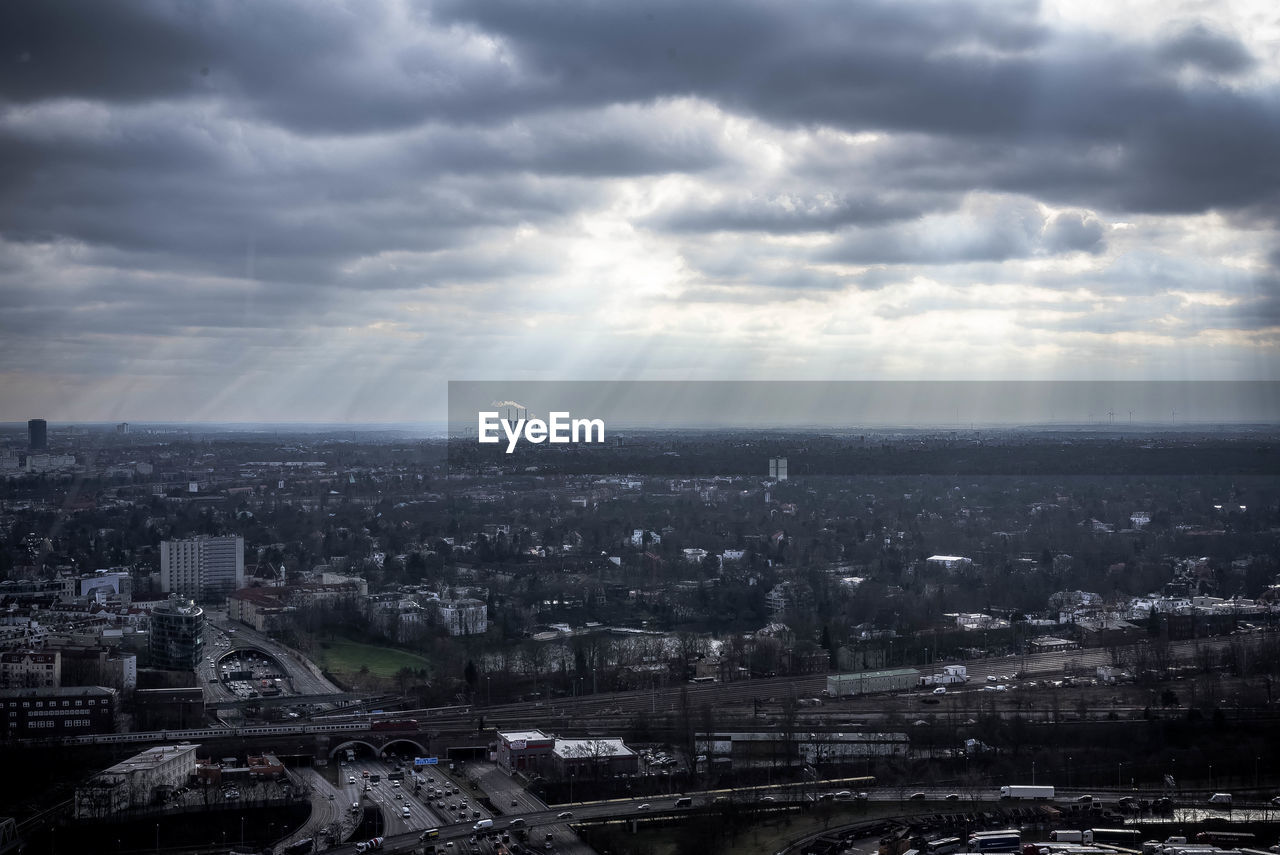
<point x="434" y="798"/>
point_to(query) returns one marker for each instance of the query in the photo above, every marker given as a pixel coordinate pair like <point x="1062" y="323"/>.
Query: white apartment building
<point x="464" y="617"/>
<point x="136" y="782"/>
<point x="204" y="568"/>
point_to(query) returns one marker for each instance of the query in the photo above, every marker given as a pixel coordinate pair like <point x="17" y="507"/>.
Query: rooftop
<point x="510" y="736"/>
<point x="63" y="692"/>
<point x="150" y="758"/>
<point x="571" y="749"/>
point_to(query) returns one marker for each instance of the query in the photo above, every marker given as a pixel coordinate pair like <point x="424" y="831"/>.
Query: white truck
<point x="1022" y="791"/>
<point x="949" y="676"/>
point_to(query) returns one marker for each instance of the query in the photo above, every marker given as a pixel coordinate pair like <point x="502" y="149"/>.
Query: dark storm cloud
<point x="1198" y="46"/>
<point x="984" y="73"/>
<point x="987" y="230"/>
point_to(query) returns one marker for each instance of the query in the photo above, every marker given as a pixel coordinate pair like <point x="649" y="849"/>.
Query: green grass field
<point x="346" y="657"/>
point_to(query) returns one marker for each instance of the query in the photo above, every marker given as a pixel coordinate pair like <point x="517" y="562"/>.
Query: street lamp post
<point x="1068" y="772"/>
<point x="1033" y="773"/>
<point x="157" y="837"/>
<point x="1119" y="767"/>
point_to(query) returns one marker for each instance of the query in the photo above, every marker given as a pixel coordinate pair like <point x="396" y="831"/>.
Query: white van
<point x="1220" y="799"/>
<point x="482" y="825"/>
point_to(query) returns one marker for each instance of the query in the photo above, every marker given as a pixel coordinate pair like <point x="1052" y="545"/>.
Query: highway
<point x="304" y="680"/>
<point x="553" y="821"/>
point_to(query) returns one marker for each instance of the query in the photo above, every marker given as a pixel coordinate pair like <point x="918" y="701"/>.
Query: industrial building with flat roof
<point x="593" y="757"/>
<point x="144" y="779"/>
<point x="870" y="682"/>
<point x="524" y="749"/>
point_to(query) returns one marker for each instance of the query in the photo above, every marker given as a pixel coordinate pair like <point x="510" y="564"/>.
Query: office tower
<point x="37" y="434"/>
<point x="177" y="634"/>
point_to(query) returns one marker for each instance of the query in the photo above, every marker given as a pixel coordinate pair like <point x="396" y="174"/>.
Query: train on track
<point x="365" y="724"/>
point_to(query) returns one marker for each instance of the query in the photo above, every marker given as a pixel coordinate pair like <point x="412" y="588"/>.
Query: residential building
<point x="464" y="617"/>
<point x="260" y="608"/>
<point x="949" y="563"/>
<point x="30" y="669"/>
<point x="49" y="462"/>
<point x="206" y="568"/>
<point x="54" y="713"/>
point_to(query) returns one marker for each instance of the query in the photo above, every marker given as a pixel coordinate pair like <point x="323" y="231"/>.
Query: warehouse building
<point x="871" y="682"/>
<point x="593" y="758"/>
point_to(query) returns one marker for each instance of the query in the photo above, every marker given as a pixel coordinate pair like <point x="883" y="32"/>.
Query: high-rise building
<point x="778" y="468"/>
<point x="206" y="568"/>
<point x="37" y="434"/>
<point x="177" y="634"/>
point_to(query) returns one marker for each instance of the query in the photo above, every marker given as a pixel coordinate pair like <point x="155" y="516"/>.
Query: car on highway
<point x="917" y="797"/>
<point x="644" y="806"/>
<point x="1085" y="799"/>
<point x="351" y="779"/>
<point x="941" y="690"/>
<point x="564" y="814"/>
<point x="953" y="797"/>
<point x="767" y="799"/>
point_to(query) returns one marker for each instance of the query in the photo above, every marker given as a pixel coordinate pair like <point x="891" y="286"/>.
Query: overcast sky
<point x="324" y="211"/>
